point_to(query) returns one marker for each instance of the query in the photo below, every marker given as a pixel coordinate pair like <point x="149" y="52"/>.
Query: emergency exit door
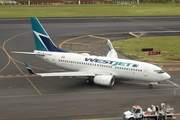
<point x="54" y="59"/>
<point x="145" y="72"/>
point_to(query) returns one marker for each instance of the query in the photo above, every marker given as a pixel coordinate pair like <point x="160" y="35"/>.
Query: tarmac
<point x="25" y="96"/>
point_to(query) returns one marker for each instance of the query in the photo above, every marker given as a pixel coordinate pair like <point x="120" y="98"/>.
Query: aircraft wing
<point x="61" y="74"/>
<point x="112" y="53"/>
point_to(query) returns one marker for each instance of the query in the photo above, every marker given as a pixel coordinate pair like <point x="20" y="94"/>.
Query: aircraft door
<point x="54" y="59"/>
<point x="145" y="72"/>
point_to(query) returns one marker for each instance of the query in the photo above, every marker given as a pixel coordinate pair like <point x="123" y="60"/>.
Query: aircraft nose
<point x="167" y="76"/>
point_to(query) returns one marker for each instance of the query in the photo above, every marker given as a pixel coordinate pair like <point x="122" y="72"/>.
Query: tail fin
<point x="42" y="40"/>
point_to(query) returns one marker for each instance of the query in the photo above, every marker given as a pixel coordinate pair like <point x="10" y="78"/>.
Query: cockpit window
<point x="159" y="71"/>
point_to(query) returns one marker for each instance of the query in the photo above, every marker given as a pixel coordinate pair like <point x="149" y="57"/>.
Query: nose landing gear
<point x="152" y="83"/>
<point x="150" y="86"/>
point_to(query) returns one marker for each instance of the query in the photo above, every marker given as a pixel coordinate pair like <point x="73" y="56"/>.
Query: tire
<point x="87" y="81"/>
<point x="150" y="86"/>
<point x="131" y="119"/>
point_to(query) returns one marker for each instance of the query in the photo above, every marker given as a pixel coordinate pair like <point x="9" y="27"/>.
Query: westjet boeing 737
<point x="101" y="70"/>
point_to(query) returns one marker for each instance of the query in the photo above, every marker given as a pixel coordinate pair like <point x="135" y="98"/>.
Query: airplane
<point x="102" y="70"/>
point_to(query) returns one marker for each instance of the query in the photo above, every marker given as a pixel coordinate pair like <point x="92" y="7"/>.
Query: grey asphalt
<point x="70" y="98"/>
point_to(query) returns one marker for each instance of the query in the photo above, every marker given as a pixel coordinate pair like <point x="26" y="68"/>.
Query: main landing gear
<point x="88" y="80"/>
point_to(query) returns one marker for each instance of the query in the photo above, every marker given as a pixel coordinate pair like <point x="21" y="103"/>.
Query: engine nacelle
<point x="107" y="80"/>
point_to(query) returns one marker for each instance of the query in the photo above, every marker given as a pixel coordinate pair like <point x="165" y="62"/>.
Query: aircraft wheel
<point x="88" y="81"/>
<point x="150" y="86"/>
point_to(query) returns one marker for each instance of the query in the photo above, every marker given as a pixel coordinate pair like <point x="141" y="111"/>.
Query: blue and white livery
<point x="100" y="70"/>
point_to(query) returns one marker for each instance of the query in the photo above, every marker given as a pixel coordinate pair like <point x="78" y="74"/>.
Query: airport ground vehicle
<point x="164" y="112"/>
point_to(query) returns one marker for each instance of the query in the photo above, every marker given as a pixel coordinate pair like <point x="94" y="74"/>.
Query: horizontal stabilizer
<point x="31" y="53"/>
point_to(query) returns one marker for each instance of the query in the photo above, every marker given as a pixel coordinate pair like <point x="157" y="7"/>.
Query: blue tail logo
<point x="42" y="40"/>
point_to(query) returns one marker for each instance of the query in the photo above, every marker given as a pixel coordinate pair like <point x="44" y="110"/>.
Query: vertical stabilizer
<point x="42" y="40"/>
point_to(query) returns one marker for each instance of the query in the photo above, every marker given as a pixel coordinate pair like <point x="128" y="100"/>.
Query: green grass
<point x="23" y="11"/>
<point x="168" y="46"/>
<point x="132" y="47"/>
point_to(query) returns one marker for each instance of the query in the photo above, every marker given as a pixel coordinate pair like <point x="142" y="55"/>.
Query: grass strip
<point x="91" y="10"/>
<point x="168" y="46"/>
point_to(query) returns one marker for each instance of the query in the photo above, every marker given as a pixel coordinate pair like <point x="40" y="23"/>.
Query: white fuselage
<point x="120" y="68"/>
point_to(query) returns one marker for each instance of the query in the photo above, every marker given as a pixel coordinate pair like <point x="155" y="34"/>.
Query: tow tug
<point x="164" y="112"/>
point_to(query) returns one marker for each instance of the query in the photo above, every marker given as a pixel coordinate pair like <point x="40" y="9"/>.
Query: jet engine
<point x="107" y="80"/>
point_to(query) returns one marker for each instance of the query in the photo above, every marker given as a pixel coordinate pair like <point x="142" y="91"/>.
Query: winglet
<point x="112" y="53"/>
<point x="110" y="45"/>
<point x="29" y="68"/>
